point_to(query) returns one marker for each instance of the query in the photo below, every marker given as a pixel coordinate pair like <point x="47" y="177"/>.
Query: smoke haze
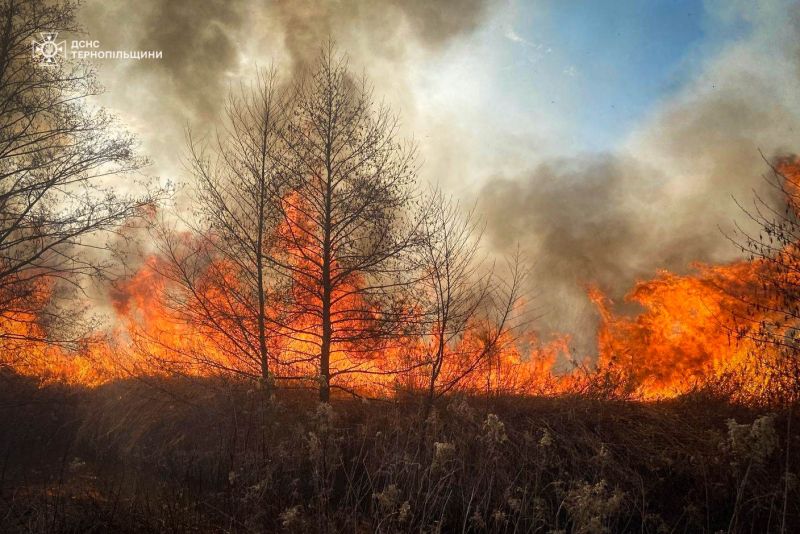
<point x="661" y="199"/>
<point x="666" y="199"/>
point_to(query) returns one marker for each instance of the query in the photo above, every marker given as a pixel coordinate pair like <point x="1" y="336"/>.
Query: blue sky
<point x="602" y="66"/>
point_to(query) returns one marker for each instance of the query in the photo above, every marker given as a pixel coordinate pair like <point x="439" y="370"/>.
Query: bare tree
<point x="470" y="310"/>
<point x="57" y="158"/>
<point x="772" y="314"/>
<point x="452" y="286"/>
<point x="345" y="223"/>
<point x="221" y="277"/>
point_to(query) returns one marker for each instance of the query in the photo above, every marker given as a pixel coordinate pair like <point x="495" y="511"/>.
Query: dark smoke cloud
<point x="199" y="40"/>
<point x="209" y="44"/>
<point x="199" y="44"/>
<point x="382" y="24"/>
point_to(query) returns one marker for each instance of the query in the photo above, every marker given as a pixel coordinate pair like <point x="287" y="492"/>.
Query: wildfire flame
<point x="691" y="329"/>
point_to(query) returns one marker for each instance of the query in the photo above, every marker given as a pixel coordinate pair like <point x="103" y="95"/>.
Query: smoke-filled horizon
<point x="606" y="143"/>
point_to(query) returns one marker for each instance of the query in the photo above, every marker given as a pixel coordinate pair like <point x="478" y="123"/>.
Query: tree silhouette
<point x="222" y="277"/>
<point x="772" y="316"/>
<point x="470" y="312"/>
<point x="57" y="158"/>
<point x="346" y="222"/>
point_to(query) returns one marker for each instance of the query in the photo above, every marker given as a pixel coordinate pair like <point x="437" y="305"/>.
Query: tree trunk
<point x="327" y="327"/>
<point x="325" y="349"/>
<point x="436" y="368"/>
<point x="262" y="316"/>
<point x="262" y="329"/>
<point x="327" y="257"/>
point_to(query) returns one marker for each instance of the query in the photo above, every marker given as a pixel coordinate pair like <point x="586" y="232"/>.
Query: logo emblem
<point x="47" y="50"/>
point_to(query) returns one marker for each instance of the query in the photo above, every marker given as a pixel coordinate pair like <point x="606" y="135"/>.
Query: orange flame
<point x="692" y="329"/>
